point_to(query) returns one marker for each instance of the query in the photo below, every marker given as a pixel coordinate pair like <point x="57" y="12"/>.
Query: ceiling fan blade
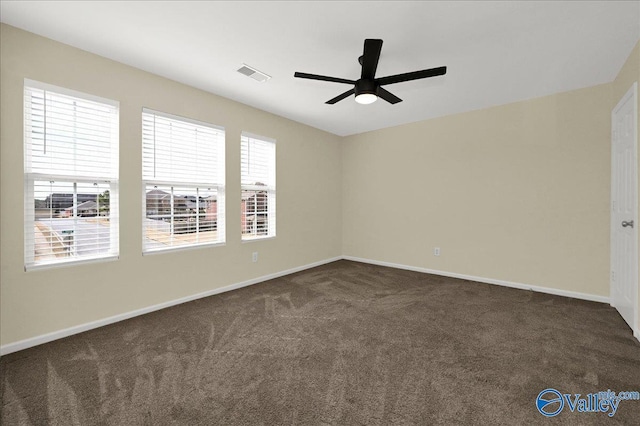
<point x="341" y="97"/>
<point x="370" y="57"/>
<point x="415" y="75"/>
<point x="388" y="96"/>
<point x="323" y="78"/>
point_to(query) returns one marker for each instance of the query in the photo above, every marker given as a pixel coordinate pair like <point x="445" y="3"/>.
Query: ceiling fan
<point x="368" y="88"/>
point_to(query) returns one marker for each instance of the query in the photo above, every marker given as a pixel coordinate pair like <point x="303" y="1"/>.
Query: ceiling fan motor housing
<point x="366" y="86"/>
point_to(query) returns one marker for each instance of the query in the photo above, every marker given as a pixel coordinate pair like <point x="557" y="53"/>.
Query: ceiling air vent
<point x="253" y="73"/>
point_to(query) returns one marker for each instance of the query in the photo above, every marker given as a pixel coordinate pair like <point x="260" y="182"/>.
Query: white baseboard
<point x="555" y="291"/>
<point x="49" y="337"/>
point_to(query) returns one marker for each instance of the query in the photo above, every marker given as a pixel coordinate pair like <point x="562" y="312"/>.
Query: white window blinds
<point x="258" y="184"/>
<point x="183" y="173"/>
<point x="71" y="176"/>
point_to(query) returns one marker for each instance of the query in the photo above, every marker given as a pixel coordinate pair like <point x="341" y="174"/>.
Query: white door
<point x="624" y="207"/>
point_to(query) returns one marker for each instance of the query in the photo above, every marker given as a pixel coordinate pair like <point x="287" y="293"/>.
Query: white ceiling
<point x="496" y="52"/>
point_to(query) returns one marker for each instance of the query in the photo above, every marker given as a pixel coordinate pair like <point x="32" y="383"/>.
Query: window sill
<point x="184" y="248"/>
<point x="252" y="240"/>
<point x="69" y="263"/>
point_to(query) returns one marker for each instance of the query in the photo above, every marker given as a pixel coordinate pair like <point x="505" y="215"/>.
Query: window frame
<point x="31" y="177"/>
<point x="219" y="188"/>
<point x="269" y="189"/>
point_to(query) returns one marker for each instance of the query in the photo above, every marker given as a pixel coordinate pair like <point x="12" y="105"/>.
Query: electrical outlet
<point x="436" y="251"/>
<point x="254" y="256"/>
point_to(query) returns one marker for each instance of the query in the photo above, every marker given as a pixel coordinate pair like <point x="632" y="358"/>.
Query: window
<point x="71" y="176"/>
<point x="258" y="208"/>
<point x="183" y="182"/>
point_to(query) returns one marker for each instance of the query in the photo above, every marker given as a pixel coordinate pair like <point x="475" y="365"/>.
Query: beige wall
<point x="629" y="74"/>
<point x="517" y="193"/>
<point x="309" y="196"/>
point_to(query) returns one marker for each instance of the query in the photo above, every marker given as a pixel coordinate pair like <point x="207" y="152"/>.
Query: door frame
<point x="633" y="93"/>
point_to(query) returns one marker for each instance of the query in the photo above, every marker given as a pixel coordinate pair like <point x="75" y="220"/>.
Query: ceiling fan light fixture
<point x="366" y="91"/>
<point x="366" y="98"/>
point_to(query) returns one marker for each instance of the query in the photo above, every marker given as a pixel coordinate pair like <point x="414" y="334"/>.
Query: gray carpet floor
<point x="341" y="344"/>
